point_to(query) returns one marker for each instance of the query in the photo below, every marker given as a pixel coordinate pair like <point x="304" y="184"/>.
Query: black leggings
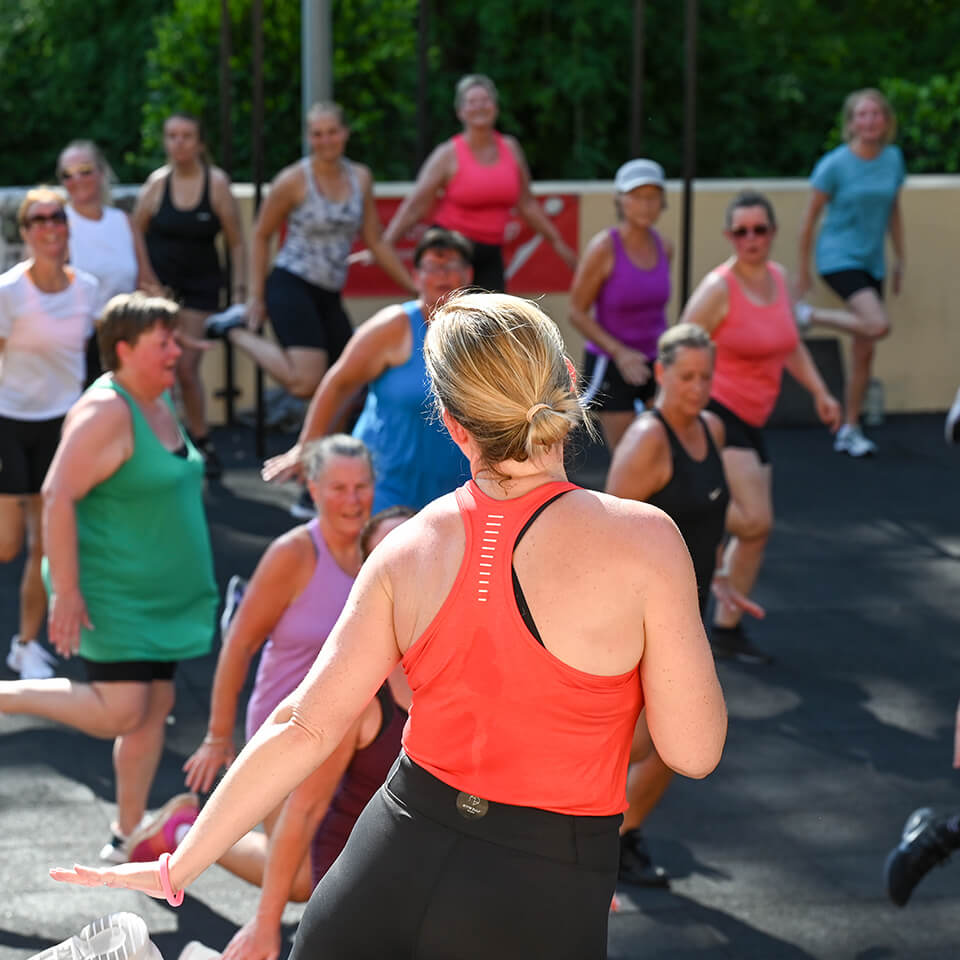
<point x="419" y="880"/>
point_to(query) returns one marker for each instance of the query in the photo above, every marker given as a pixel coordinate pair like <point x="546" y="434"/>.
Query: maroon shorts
<point x="367" y="771"/>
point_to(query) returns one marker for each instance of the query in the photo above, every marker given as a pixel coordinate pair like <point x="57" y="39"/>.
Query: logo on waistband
<point x="470" y="807"/>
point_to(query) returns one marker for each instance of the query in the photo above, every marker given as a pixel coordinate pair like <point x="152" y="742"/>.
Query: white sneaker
<point x="803" y="315"/>
<point x="951" y="427"/>
<point x="30" y="660"/>
<point x="850" y="440"/>
<point x="117" y="936"/>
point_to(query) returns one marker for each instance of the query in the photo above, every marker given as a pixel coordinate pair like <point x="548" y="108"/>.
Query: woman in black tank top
<point x="180" y="211"/>
<point x="670" y="457"/>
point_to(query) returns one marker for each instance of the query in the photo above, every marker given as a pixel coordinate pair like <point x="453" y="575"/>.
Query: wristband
<point x="174" y="899"/>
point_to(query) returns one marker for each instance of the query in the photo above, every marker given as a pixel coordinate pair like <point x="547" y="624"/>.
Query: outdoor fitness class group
<point x="429" y="690"/>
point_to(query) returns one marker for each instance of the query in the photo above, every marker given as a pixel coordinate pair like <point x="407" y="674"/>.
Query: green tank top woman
<point x="143" y="551"/>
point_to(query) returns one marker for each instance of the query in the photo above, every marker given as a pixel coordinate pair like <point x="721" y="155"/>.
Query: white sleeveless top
<point x="320" y="233"/>
<point x="43" y="362"/>
<point x="104" y="249"/>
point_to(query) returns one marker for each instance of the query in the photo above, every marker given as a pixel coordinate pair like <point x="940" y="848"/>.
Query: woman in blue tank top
<point x="625" y="277"/>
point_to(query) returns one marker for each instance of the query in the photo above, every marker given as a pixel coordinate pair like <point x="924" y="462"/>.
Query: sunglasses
<point x="58" y="218"/>
<point x="760" y="230"/>
<point x="77" y="172"/>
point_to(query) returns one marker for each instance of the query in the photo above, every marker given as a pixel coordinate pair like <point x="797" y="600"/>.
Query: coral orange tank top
<point x="494" y="713"/>
<point x="479" y="197"/>
<point x="753" y="343"/>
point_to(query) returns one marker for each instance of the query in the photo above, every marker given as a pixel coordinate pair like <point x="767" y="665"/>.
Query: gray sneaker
<point x="218" y="325"/>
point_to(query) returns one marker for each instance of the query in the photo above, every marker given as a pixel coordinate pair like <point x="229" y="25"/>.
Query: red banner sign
<point x="531" y="264"/>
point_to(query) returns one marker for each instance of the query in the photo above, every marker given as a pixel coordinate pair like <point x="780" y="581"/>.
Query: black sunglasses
<point x="58" y="217"/>
<point x="760" y="230"/>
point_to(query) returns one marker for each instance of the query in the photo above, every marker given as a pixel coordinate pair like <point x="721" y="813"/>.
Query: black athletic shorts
<point x="488" y="267"/>
<point x="606" y="391"/>
<point x="739" y="432"/>
<point x="26" y="449"/>
<point x="845" y="283"/>
<point x="305" y="315"/>
<point x="424" y="876"/>
<point x="128" y="671"/>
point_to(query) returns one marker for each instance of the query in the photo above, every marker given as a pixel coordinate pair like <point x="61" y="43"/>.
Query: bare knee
<point x="10" y="548"/>
<point x="302" y="384"/>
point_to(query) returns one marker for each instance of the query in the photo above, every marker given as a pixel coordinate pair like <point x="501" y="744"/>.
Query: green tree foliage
<point x="70" y="69"/>
<point x="772" y="79"/>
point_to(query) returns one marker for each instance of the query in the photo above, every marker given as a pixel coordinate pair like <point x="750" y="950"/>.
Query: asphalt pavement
<point x="775" y="856"/>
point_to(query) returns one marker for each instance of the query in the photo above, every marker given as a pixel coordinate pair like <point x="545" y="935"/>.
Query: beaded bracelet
<point x="174" y="899"/>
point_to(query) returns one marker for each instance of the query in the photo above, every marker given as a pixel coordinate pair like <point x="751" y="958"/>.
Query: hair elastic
<point x="174" y="899"/>
<point x="535" y="409"/>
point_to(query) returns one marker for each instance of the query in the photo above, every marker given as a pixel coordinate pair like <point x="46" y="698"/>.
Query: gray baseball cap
<point x="639" y="173"/>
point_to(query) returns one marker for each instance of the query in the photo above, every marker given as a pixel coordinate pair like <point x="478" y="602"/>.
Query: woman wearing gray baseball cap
<point x="619" y="297"/>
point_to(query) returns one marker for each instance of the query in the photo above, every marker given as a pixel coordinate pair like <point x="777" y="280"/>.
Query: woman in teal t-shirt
<point x="859" y="184"/>
<point x="129" y="565"/>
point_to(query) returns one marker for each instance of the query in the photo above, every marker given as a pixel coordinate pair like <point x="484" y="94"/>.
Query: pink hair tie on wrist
<point x="174" y="899"/>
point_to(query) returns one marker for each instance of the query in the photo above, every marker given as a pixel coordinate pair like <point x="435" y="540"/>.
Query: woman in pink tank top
<point x="290" y="605"/>
<point x="745" y="306"/>
<point x="480" y="176"/>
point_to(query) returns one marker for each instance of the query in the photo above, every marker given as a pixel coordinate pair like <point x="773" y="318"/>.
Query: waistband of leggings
<point x="589" y="841"/>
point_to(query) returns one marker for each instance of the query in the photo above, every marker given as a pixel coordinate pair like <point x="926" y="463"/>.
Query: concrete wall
<point x="919" y="363"/>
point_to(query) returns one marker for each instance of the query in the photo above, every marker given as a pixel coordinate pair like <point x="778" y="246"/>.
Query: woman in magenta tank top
<point x="481" y="176"/>
<point x="289" y="607"/>
<point x="745" y="306"/>
<point x="625" y="277"/>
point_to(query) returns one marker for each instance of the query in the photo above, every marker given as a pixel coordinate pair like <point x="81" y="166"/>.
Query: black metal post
<point x="636" y="88"/>
<point x="226" y="162"/>
<point x="689" y="140"/>
<point x="256" y="17"/>
<point x="423" y="107"/>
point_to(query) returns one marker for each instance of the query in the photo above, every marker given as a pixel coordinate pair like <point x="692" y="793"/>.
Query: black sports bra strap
<point x="518" y="596"/>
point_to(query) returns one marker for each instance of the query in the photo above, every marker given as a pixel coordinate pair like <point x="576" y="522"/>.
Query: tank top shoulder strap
<point x="460" y="149"/>
<point x="658" y="243"/>
<point x="779" y="275"/>
<point x="165" y="199"/>
<point x="617" y="242"/>
<point x="205" y="198"/>
<point x="675" y="444"/>
<point x="712" y="450"/>
<point x="418" y="324"/>
<point x="351" y="174"/>
<point x="312" y="192"/>
<point x="316" y="536"/>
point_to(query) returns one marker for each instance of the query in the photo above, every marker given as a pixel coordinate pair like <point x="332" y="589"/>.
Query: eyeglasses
<point x="453" y="266"/>
<point x="759" y="230"/>
<point x="77" y="172"/>
<point x="56" y="219"/>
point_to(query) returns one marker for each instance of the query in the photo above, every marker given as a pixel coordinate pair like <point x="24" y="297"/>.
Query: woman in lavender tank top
<point x="289" y="607"/>
<point x="625" y="277"/>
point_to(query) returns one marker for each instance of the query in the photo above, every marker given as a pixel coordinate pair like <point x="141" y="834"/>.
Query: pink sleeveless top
<point x="753" y="343"/>
<point x="478" y="199"/>
<point x="299" y="634"/>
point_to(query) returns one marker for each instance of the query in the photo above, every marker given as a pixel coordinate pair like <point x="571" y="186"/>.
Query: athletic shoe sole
<point x="117" y="936"/>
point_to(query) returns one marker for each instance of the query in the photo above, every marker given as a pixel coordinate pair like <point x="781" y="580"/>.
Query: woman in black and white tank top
<point x="323" y="202"/>
<point x="670" y="457"/>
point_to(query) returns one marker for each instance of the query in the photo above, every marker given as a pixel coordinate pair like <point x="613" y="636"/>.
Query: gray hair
<point x="474" y="80"/>
<point x="681" y="335"/>
<point x="317" y="454"/>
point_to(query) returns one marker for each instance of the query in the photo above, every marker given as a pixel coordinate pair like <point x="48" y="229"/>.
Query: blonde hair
<point x="41" y="194"/>
<point x="850" y="104"/>
<point x="492" y="359"/>
<point x="474" y="80"/>
<point x="682" y="335"/>
<point x="107" y="176"/>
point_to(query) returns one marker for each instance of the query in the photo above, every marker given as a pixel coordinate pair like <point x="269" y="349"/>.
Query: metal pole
<point x="423" y="66"/>
<point x="316" y="51"/>
<point x="226" y="162"/>
<point x="689" y="140"/>
<point x="636" y="88"/>
<point x="256" y="18"/>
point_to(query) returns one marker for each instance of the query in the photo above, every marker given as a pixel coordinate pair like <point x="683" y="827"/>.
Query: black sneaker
<point x="636" y="866"/>
<point x="732" y="643"/>
<point x="926" y="843"/>
<point x="218" y="325"/>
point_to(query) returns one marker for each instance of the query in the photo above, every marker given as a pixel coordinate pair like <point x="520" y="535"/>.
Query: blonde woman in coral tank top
<point x="471" y="182"/>
<point x="495" y="834"/>
<point x="746" y="308"/>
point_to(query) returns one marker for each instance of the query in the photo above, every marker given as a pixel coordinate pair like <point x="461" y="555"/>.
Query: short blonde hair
<point x="41" y="194"/>
<point x="107" y="176"/>
<point x="682" y="335"/>
<point x="497" y="366"/>
<point x="474" y="80"/>
<point x="850" y="104"/>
